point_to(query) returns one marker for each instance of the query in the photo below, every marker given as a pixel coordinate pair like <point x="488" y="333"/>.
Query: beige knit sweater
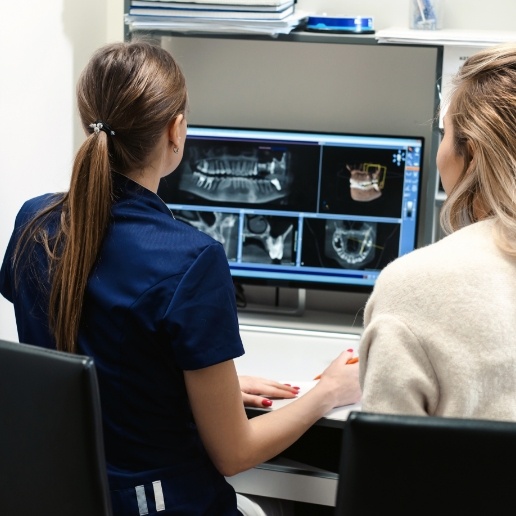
<point x="440" y="331"/>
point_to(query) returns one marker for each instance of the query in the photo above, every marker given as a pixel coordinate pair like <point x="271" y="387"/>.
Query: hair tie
<point x="102" y="126"/>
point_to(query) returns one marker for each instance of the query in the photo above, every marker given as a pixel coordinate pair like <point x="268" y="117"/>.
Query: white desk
<point x="294" y="355"/>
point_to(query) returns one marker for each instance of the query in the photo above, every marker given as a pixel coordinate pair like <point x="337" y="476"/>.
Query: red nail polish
<point x="349" y="350"/>
<point x="266" y="403"/>
<point x="287" y="384"/>
<point x="297" y="388"/>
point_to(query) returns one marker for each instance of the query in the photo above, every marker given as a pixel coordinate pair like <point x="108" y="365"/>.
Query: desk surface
<point x="310" y="320"/>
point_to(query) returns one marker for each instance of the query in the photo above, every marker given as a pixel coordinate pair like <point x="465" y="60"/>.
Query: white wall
<point x="45" y="45"/>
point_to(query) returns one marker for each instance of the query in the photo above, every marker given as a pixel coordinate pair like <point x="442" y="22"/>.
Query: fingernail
<point x="266" y="403"/>
<point x="349" y="351"/>
<point x="297" y="388"/>
<point x="288" y="385"/>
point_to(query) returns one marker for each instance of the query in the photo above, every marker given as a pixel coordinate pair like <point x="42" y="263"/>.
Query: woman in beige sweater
<point x="440" y="326"/>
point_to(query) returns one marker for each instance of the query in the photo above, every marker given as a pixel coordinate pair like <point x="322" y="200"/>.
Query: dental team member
<point x="440" y="326"/>
<point x="105" y="270"/>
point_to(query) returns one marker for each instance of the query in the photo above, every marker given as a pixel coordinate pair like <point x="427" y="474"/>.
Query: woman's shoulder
<point x="447" y="259"/>
<point x="41" y="201"/>
<point x="145" y="227"/>
<point x="460" y="243"/>
<point x="35" y="205"/>
<point x="137" y="211"/>
<point x="424" y="278"/>
<point x="182" y="232"/>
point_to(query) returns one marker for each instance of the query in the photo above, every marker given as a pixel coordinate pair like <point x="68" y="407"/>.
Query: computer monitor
<point x="300" y="209"/>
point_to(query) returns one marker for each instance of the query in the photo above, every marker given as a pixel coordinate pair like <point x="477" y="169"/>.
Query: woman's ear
<point x="174" y="130"/>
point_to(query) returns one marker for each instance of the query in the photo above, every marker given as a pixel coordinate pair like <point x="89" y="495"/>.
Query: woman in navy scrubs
<point x="105" y="270"/>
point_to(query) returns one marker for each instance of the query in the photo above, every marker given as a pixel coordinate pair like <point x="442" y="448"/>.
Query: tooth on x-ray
<point x="259" y="228"/>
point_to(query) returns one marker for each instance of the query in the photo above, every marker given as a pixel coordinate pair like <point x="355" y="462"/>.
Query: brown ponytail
<point x="84" y="221"/>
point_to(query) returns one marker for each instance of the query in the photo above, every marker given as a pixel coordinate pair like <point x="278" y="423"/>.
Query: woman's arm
<point x="396" y="373"/>
<point x="236" y="443"/>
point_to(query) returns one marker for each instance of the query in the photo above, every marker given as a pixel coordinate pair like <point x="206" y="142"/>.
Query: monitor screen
<point x="300" y="209"/>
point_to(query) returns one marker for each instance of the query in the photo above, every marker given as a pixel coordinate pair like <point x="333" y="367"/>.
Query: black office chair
<point x="412" y="465"/>
<point x="51" y="444"/>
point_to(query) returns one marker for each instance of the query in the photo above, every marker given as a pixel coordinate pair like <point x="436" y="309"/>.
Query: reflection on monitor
<point x="300" y="209"/>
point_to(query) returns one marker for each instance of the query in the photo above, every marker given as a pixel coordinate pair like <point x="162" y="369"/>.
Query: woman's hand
<point x="257" y="391"/>
<point x="341" y="377"/>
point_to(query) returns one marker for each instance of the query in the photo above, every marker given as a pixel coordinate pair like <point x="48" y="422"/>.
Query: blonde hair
<point x="482" y="112"/>
<point x="137" y="89"/>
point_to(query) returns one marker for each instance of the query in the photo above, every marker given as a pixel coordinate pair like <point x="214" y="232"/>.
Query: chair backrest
<point x="51" y="443"/>
<point x="415" y="465"/>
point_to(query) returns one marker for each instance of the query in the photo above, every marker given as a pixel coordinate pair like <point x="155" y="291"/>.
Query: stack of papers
<point x="480" y="38"/>
<point x="235" y="16"/>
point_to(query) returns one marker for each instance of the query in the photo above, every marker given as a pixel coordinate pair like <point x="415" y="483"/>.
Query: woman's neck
<point x="148" y="181"/>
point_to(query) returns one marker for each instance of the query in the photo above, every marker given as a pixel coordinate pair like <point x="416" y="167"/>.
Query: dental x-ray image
<point x="233" y="173"/>
<point x="272" y="175"/>
<point x="349" y="244"/>
<point x="268" y="239"/>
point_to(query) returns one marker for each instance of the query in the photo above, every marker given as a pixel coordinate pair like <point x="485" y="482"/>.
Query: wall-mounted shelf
<point x="444" y="37"/>
<point x="294" y="36"/>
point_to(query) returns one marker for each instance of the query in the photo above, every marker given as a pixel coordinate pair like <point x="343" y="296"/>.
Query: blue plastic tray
<point x="351" y="25"/>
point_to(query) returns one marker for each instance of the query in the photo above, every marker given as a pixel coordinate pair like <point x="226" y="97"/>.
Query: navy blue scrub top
<point x="159" y="300"/>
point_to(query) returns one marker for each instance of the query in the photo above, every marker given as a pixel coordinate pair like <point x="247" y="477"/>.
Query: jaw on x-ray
<point x="224" y="174"/>
<point x="351" y="244"/>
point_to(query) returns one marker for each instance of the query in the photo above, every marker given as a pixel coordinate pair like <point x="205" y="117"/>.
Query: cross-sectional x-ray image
<point x="267" y="239"/>
<point x="350" y="243"/>
<point x="223" y="227"/>
<point x="235" y="173"/>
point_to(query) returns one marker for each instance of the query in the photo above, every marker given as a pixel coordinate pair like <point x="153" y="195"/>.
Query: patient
<point x="440" y="326"/>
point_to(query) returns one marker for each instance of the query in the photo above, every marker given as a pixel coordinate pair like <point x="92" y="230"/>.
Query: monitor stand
<point x="295" y="307"/>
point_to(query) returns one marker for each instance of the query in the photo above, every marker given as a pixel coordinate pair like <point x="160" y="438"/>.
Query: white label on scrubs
<point x="158" y="495"/>
<point x="142" y="500"/>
